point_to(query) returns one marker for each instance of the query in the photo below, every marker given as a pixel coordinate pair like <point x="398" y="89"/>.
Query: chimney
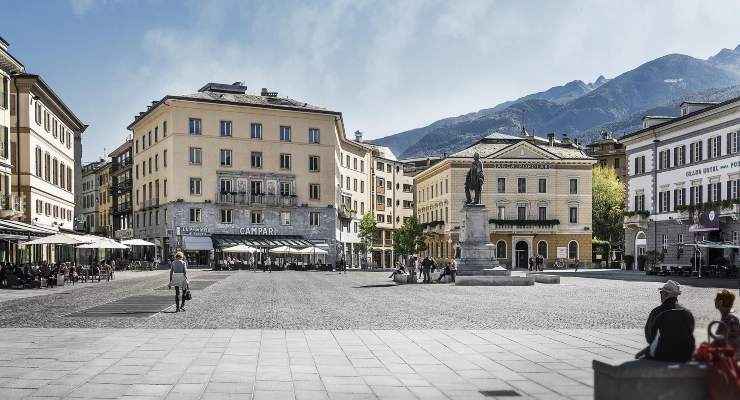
<point x="358" y="136"/>
<point x="565" y="139"/>
<point x="551" y="138"/>
<point x="429" y="161"/>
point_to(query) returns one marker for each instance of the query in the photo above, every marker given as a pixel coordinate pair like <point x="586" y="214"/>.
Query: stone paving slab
<point x="306" y="364"/>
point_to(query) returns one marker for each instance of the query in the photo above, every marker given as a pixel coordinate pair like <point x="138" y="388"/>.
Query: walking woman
<point x="179" y="279"/>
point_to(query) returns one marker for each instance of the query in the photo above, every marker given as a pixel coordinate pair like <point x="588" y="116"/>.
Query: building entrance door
<point x="522" y="254"/>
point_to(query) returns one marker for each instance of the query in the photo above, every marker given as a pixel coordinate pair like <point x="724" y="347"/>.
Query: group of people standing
<point x="427" y="266"/>
<point x="537" y="263"/>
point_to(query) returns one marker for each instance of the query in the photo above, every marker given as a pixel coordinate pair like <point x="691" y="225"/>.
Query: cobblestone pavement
<point x="138" y="364"/>
<point x="361" y="300"/>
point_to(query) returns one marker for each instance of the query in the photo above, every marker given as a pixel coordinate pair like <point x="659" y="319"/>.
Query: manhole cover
<point x="134" y="306"/>
<point x="499" y="393"/>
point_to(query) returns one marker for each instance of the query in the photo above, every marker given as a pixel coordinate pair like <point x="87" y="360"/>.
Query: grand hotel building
<point x="680" y="162"/>
<point x="537" y="191"/>
<point x="221" y="167"/>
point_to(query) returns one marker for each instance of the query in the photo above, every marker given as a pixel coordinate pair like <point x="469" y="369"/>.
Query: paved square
<point x="320" y="335"/>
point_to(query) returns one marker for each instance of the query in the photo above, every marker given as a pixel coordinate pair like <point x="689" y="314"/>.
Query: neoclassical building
<point x="537" y="191"/>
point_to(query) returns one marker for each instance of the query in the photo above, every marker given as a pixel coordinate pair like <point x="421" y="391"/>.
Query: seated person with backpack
<point x="669" y="330"/>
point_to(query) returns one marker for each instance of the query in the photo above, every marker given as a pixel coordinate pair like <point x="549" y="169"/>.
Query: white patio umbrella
<point x="284" y="250"/>
<point x="59" y="238"/>
<point x="240" y="248"/>
<point x="312" y="250"/>
<point x="137" y="242"/>
<point x="103" y="244"/>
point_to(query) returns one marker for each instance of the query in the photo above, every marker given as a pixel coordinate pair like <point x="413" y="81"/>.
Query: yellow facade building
<point x="537" y="192"/>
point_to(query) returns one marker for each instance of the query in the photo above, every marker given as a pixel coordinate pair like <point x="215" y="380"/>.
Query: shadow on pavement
<point x="375" y="286"/>
<point x="631" y="276"/>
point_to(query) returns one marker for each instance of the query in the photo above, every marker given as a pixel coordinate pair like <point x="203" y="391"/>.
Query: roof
<point x="122" y="148"/>
<point x="495" y="143"/>
<point x="7" y="61"/>
<point x="700" y="102"/>
<point x="56" y="99"/>
<point x="644" y="117"/>
<point x="239" y="99"/>
<point x="681" y="118"/>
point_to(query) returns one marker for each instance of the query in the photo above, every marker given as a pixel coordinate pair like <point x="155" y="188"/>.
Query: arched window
<point x="501" y="249"/>
<point x="542" y="248"/>
<point x="573" y="250"/>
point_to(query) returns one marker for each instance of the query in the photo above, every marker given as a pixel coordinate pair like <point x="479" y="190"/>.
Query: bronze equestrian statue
<point x="474" y="180"/>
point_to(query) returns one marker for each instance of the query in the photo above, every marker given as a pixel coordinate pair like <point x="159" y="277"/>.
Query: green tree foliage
<point x="409" y="239"/>
<point x="368" y="233"/>
<point x="608" y="205"/>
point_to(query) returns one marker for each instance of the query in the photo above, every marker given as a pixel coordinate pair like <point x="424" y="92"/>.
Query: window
<point x="521" y="212"/>
<point x="256" y="159"/>
<point x="195" y="184"/>
<point x="69" y="179"/>
<point x="164" y="129"/>
<point x="284" y="161"/>
<point x="47" y="167"/>
<point x="257" y="217"/>
<point x="354" y="163"/>
<point x="62" y="176"/>
<point x="285" y="189"/>
<point x="695" y="151"/>
<point x="616" y="163"/>
<point x="696" y="195"/>
<point x="664" y="201"/>
<point x="542" y="248"/>
<point x="733" y="189"/>
<point x="195" y="126"/>
<point x="314" y="136"/>
<point x="542" y="213"/>
<point x="573" y="215"/>
<point x="314" y="191"/>
<point x="156" y="162"/>
<point x="714" y="192"/>
<point x="362" y="165"/>
<point x="664" y="159"/>
<point x="354" y="184"/>
<point x="195" y="215"/>
<point x="256" y="131"/>
<point x="521" y="185"/>
<point x="501" y="212"/>
<point x="542" y="185"/>
<point x="284" y="217"/>
<point x="164" y="188"/>
<point x="225" y="185"/>
<point x="639" y="165"/>
<point x="714" y="149"/>
<point x="4" y="92"/>
<point x="679" y="155"/>
<point x="500" y="249"/>
<point x="256" y="187"/>
<point x="195" y="155"/>
<point x="225" y="155"/>
<point x="362" y="186"/>
<point x="156" y="134"/>
<point x="37" y="113"/>
<point x="39" y="162"/>
<point x="381" y="218"/>
<point x="226" y="217"/>
<point x="380" y="182"/>
<point x="573" y="250"/>
<point x="640" y="202"/>
<point x="313" y="163"/>
<point x="164" y="158"/>
<point x="665" y="242"/>
<point x="501" y="185"/>
<point x="733" y="142"/>
<point x="314" y="218"/>
<point x="573" y="186"/>
<point x="679" y="240"/>
<point x="679" y="197"/>
<point x="225" y="128"/>
<point x="285" y="134"/>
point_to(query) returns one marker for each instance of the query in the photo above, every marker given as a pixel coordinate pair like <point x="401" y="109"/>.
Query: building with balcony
<point x="11" y="203"/>
<point x="89" y="196"/>
<point x="683" y="185"/>
<point x="48" y="138"/>
<point x="122" y="160"/>
<point x="537" y="192"/>
<point x="105" y="200"/>
<point x="609" y="152"/>
<point x="220" y="167"/>
<point x="354" y="160"/>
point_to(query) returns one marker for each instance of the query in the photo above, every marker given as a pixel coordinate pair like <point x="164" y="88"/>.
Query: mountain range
<point x="583" y="110"/>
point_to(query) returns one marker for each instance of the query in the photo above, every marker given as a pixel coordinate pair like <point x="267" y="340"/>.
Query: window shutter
<point x="691" y="194"/>
<point x="700" y="151"/>
<point x="691" y="152"/>
<point x="683" y="196"/>
<point x="668" y="159"/>
<point x="700" y="188"/>
<point x="729" y="190"/>
<point x="718" y="191"/>
<point x="719" y="146"/>
<point x="660" y="202"/>
<point x="729" y="142"/>
<point x="667" y="201"/>
<point x="660" y="160"/>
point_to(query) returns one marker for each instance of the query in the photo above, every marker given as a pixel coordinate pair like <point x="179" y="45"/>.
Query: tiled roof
<point x="253" y="100"/>
<point x="483" y="149"/>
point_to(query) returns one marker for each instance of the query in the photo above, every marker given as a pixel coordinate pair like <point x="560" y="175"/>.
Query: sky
<point x="388" y="66"/>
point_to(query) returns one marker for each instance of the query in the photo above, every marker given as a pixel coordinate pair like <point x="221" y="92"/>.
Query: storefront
<point x="14" y="232"/>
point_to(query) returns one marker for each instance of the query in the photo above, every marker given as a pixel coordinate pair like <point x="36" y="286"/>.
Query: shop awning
<point x="22" y="228"/>
<point x="295" y="241"/>
<point x="197" y="243"/>
<point x="717" y="245"/>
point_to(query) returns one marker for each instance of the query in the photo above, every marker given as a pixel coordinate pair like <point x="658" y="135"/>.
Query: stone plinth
<point x="493" y="280"/>
<point x="478" y="253"/>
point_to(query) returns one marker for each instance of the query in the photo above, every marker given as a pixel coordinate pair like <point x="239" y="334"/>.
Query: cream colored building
<point x="122" y="160"/>
<point x="47" y="134"/>
<point x="353" y="185"/>
<point x="221" y="167"/>
<point x="537" y="191"/>
<point x="105" y="200"/>
<point x="11" y="204"/>
<point x="89" y="195"/>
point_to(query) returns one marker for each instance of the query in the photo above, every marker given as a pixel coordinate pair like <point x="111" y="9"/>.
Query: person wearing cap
<point x="669" y="330"/>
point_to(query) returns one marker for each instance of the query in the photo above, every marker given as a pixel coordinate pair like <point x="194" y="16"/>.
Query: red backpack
<point x="723" y="373"/>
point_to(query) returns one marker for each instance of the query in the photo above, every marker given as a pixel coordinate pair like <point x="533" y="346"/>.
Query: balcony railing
<point x="122" y="208"/>
<point x="246" y="199"/>
<point x="121" y="165"/>
<point x="345" y="212"/>
<point x="151" y="203"/>
<point x="121" y="186"/>
<point x="520" y="226"/>
<point x="637" y="219"/>
<point x="11" y="205"/>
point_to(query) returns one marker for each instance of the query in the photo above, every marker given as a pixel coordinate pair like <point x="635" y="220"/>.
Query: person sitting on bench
<point x="669" y="330"/>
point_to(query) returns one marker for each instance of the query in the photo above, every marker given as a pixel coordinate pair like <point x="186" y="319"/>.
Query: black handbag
<point x="186" y="295"/>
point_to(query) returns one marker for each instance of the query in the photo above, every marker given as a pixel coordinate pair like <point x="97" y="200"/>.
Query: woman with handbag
<point x="179" y="279"/>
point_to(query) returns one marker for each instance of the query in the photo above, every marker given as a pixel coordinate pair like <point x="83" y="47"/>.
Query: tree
<point x="608" y="206"/>
<point x="409" y="239"/>
<point x="368" y="233"/>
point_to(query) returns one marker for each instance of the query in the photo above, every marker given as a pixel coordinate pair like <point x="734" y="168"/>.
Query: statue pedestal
<point x="478" y="254"/>
<point x="477" y="265"/>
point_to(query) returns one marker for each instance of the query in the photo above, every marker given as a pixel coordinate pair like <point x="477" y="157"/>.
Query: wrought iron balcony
<point x="122" y="208"/>
<point x="121" y="165"/>
<point x="149" y="204"/>
<point x="246" y="199"/>
<point x="524" y="226"/>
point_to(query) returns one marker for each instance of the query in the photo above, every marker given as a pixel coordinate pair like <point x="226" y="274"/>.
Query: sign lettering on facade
<point x="257" y="230"/>
<point x="734" y="165"/>
<point x="562" y="252"/>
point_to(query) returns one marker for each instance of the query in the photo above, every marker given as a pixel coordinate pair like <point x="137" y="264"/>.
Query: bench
<point x="647" y="379"/>
<point x="544" y="278"/>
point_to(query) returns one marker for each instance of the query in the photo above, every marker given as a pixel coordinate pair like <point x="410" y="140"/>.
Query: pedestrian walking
<point x="577" y="264"/>
<point x="426" y="266"/>
<point x="179" y="279"/>
<point x="453" y="269"/>
<point x="531" y="263"/>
